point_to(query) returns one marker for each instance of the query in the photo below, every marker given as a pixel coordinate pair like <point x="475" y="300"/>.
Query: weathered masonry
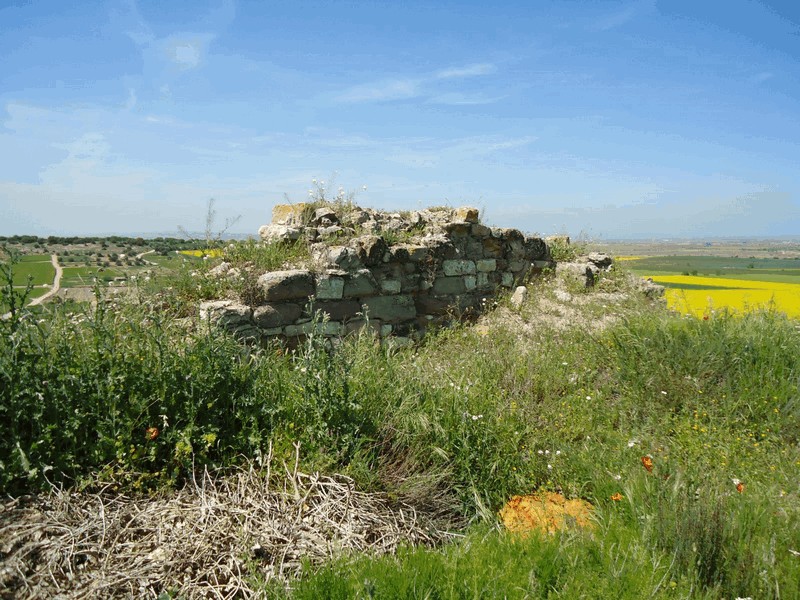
<point x="448" y="266"/>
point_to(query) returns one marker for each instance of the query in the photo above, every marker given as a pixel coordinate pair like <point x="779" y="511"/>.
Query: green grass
<point x="454" y="427"/>
<point x="31" y="258"/>
<point x="39" y="272"/>
<point x="85" y="275"/>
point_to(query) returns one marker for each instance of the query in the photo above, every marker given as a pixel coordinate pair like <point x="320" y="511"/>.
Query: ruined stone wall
<point x="447" y="266"/>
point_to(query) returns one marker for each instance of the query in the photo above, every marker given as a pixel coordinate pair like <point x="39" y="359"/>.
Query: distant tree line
<point x="162" y="245"/>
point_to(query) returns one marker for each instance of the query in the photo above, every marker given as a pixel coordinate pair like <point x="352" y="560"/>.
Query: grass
<point x="38" y="272"/>
<point x="139" y="394"/>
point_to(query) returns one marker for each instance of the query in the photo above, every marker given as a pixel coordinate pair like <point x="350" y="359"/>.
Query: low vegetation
<point x="682" y="432"/>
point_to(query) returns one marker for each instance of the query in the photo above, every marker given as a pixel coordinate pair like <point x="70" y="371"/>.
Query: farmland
<point x="700" y="284"/>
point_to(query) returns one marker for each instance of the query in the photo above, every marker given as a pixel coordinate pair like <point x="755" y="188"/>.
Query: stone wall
<point x="396" y="273"/>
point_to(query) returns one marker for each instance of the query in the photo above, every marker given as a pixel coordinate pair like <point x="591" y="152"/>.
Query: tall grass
<point x="133" y="394"/>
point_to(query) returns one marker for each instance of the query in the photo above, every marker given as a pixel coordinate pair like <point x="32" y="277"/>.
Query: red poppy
<point x="740" y="487"/>
<point x="647" y="463"/>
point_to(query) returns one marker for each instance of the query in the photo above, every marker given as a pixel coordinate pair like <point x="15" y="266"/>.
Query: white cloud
<point x="458" y="99"/>
<point x="468" y="71"/>
<point x="406" y="88"/>
<point x="381" y="91"/>
<point x="621" y="16"/>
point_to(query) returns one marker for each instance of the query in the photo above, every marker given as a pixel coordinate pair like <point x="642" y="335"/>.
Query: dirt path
<point x="56" y="282"/>
<point x="143" y="254"/>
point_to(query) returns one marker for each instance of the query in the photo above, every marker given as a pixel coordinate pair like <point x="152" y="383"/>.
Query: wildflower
<point x="739" y="485"/>
<point x="549" y="467"/>
<point x="632" y="443"/>
<point x="647" y="463"/>
<point x="617" y="497"/>
<point x="151" y="433"/>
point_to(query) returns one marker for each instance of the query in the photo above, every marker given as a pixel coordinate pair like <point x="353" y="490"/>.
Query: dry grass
<point x="220" y="537"/>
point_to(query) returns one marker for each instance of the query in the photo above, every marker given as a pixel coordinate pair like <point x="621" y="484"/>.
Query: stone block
<point x="486" y="265"/>
<point x="519" y="266"/>
<point x="370" y="249"/>
<point x="343" y="258"/>
<point x="391" y="286"/>
<point x="507" y="280"/>
<point x="278" y="233"/>
<point x="535" y="248"/>
<point x="493" y="247"/>
<point x="480" y="231"/>
<point x="330" y="288"/>
<point x="360" y="284"/>
<point x="434" y="305"/>
<point x="519" y="296"/>
<point x="449" y="285"/>
<point x="453" y="268"/>
<point x="337" y="310"/>
<point x="357" y="325"/>
<point x="292" y="215"/>
<point x="269" y="316"/>
<point x="391" y="308"/>
<point x="286" y="285"/>
<point x="226" y="313"/>
<point x="482" y="280"/>
<point x="473" y="248"/>
<point x="466" y="214"/>
<point x="470" y="282"/>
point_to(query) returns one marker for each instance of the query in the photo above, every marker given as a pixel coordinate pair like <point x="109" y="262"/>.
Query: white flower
<point x="588" y="397"/>
<point x="550" y="467"/>
<point x="539" y="452"/>
<point x="547" y="452"/>
<point x="617" y="477"/>
<point x="663" y="393"/>
<point x="558" y="452"/>
<point x="632" y="443"/>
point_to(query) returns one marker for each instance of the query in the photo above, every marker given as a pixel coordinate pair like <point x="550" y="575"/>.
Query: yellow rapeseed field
<point x="736" y="295"/>
<point x="212" y="252"/>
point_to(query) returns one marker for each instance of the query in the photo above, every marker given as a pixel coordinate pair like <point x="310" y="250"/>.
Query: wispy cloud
<point x="186" y="50"/>
<point x="382" y="91"/>
<point x="459" y="99"/>
<point x="385" y="90"/>
<point x="620" y="17"/>
<point x="468" y="71"/>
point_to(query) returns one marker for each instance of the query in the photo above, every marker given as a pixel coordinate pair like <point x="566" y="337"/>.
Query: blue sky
<point x="603" y="119"/>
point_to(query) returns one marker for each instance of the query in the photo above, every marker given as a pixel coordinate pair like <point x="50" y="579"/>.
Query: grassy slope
<point x="525" y="401"/>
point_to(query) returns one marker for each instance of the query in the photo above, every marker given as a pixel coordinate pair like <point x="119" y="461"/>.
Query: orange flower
<point x="739" y="485"/>
<point x="647" y="463"/>
<point x="151" y="433"/>
<point x="617" y="497"/>
<point x="705" y="317"/>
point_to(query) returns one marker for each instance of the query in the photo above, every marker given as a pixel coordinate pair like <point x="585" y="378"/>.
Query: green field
<point x="38" y="268"/>
<point x="85" y="276"/>
<point x="778" y="270"/>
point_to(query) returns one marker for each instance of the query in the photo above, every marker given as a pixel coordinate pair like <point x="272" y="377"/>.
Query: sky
<point x="597" y="119"/>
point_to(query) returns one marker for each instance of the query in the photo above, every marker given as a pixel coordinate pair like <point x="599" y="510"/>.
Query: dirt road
<point x="56" y="282"/>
